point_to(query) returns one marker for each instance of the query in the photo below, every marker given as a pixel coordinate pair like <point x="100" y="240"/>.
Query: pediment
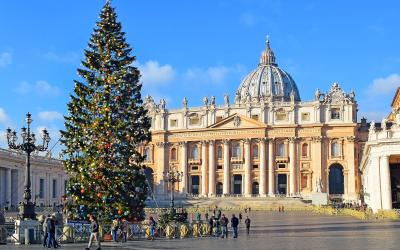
<point x="237" y="121"/>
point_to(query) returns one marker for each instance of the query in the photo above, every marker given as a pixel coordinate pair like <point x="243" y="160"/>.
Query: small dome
<point x="268" y="81"/>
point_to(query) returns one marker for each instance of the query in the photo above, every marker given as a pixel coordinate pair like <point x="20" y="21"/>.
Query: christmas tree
<point x="105" y="125"/>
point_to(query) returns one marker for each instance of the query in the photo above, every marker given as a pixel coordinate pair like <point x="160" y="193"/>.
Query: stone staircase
<point x="255" y="203"/>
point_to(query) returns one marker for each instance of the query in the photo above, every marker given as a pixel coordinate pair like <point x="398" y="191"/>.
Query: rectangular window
<point x="54" y="189"/>
<point x="305" y="116"/>
<point x="219" y="118"/>
<point x="281" y="165"/>
<point x="281" y="117"/>
<point x="335" y="113"/>
<point x="255" y="166"/>
<point x="173" y="122"/>
<point x="41" y="188"/>
<point x="280" y="149"/>
<point x="219" y="167"/>
<point x="194" y="120"/>
<point x="195" y="167"/>
<point x="254" y="117"/>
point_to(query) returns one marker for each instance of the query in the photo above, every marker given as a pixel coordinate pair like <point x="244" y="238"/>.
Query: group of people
<point x="119" y="229"/>
<point x="49" y="232"/>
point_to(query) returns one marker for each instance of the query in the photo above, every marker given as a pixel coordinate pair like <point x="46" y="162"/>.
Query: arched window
<point x="336" y="149"/>
<point x="255" y="151"/>
<point x="194" y="153"/>
<point x="173" y="154"/>
<point x="236" y="149"/>
<point x="280" y="151"/>
<point x="146" y="154"/>
<point x="219" y="152"/>
<point x="304" y="150"/>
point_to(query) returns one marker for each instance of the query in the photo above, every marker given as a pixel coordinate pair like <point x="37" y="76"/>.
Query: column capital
<point x="351" y="138"/>
<point x="293" y="139"/>
<point x="162" y="144"/>
<point x="211" y="142"/>
<point x="204" y="142"/>
<point x="182" y="143"/>
<point x="263" y="140"/>
<point x="246" y="140"/>
<point x="317" y="138"/>
<point x="226" y="141"/>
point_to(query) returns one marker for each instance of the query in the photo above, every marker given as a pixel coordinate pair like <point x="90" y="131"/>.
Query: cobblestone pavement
<point x="273" y="230"/>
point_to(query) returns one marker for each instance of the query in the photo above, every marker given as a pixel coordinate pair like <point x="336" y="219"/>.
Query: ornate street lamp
<point x="27" y="208"/>
<point x="173" y="176"/>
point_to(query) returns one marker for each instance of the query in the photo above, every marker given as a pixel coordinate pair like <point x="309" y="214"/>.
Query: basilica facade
<point x="264" y="142"/>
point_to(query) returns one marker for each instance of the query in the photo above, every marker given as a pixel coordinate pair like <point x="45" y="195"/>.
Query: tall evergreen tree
<point x="105" y="125"/>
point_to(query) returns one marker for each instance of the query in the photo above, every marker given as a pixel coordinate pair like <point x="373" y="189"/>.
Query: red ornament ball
<point x="82" y="191"/>
<point x="119" y="211"/>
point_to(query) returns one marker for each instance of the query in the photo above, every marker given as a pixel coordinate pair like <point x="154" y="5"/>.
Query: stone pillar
<point x="292" y="166"/>
<point x="184" y="186"/>
<point x="226" y="186"/>
<point x="351" y="163"/>
<point x="211" y="168"/>
<point x="247" y="168"/>
<point x="263" y="170"/>
<point x="345" y="180"/>
<point x="271" y="168"/>
<point x="316" y="167"/>
<point x="386" y="190"/>
<point x="161" y="168"/>
<point x="204" y="166"/>
<point x="8" y="188"/>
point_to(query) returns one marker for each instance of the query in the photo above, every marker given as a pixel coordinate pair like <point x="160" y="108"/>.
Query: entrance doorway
<point x="395" y="184"/>
<point x="195" y="184"/>
<point x="237" y="184"/>
<point x="255" y="188"/>
<point x="219" y="188"/>
<point x="336" y="179"/>
<point x="282" y="183"/>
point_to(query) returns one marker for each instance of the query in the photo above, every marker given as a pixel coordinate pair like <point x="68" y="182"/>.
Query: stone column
<point x="247" y="168"/>
<point x="271" y="168"/>
<point x="351" y="181"/>
<point x="226" y="186"/>
<point x="263" y="170"/>
<point x="292" y="166"/>
<point x="386" y="190"/>
<point x="8" y="188"/>
<point x="345" y="180"/>
<point x="316" y="167"/>
<point x="184" y="186"/>
<point x="161" y="168"/>
<point x="204" y="166"/>
<point x="211" y="168"/>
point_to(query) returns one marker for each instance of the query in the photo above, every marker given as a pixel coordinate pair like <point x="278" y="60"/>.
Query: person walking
<point x="211" y="224"/>
<point x="240" y="217"/>
<point x="247" y="222"/>
<point x="234" y="224"/>
<point x="124" y="229"/>
<point x="94" y="232"/>
<point x="224" y="226"/>
<point x="51" y="231"/>
<point x="45" y="231"/>
<point x="114" y="229"/>
<point x="152" y="225"/>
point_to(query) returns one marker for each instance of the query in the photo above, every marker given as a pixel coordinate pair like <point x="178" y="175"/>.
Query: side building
<point x="267" y="142"/>
<point x="380" y="165"/>
<point x="48" y="179"/>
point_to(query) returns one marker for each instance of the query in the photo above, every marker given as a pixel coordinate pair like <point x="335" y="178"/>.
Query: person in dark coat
<point x="45" y="231"/>
<point x="247" y="222"/>
<point x="94" y="233"/>
<point x="234" y="224"/>
<point x="51" y="233"/>
<point x="224" y="226"/>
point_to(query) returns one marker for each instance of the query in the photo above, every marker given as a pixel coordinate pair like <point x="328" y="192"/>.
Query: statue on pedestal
<point x="319" y="186"/>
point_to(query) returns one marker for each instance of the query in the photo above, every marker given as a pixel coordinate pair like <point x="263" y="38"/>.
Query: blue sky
<point x="199" y="48"/>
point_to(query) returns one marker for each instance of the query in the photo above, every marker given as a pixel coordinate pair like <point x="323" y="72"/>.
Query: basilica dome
<point x="268" y="82"/>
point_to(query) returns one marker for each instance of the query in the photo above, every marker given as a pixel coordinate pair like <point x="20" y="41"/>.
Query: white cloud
<point x="70" y="57"/>
<point x="153" y="73"/>
<point x="376" y="116"/>
<point x="214" y="74"/>
<point x="39" y="88"/>
<point x="248" y="19"/>
<point x="5" y="59"/>
<point x="50" y="115"/>
<point x="4" y="119"/>
<point x="385" y="85"/>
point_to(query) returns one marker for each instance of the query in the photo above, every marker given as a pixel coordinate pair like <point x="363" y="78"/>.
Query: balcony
<point x="194" y="161"/>
<point x="280" y="158"/>
<point x="235" y="159"/>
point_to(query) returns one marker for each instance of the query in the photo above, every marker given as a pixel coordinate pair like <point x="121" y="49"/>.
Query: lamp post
<point x="173" y="176"/>
<point x="27" y="208"/>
